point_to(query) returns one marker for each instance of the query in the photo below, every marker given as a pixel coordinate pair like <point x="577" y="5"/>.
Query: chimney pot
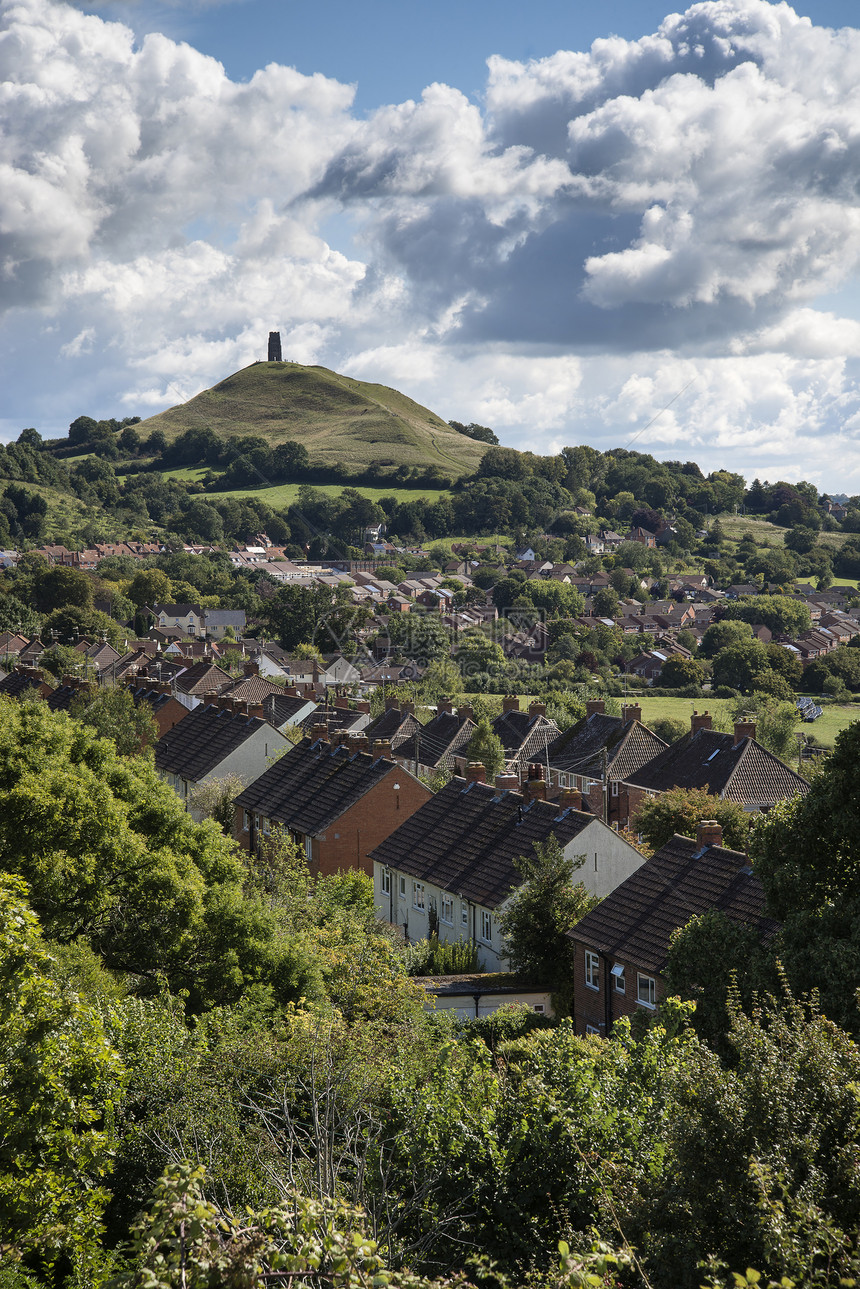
<point x="700" y="722"/>
<point x="744" y="729"/>
<point x="476" y="772"/>
<point x="595" y="707"/>
<point x="570" y="799"/>
<point x="466" y="712"/>
<point x="510" y="703"/>
<point x="537" y="709"/>
<point x="709" y="833"/>
<point x="382" y="747"/>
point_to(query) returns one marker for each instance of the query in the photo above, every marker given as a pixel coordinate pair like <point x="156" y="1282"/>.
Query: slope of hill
<point x="338" y="419"/>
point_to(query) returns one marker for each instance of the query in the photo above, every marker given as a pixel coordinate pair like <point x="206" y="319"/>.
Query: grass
<point x="338" y="419"/>
<point x="736" y="526"/>
<point x="824" y="730"/>
<point x="282" y="495"/>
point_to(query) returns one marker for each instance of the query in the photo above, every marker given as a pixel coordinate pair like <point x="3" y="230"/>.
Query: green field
<point x="338" y="419"/>
<point x="823" y="731"/>
<point x="284" y="494"/>
<point x="736" y="526"/>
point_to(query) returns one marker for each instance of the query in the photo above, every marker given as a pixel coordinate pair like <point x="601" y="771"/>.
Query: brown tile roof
<point x="744" y="771"/>
<point x="202" y="740"/>
<point x="313" y="784"/>
<point x="628" y="744"/>
<point x="681" y="880"/>
<point x="466" y="837"/>
<point x="201" y="679"/>
<point x="252" y="689"/>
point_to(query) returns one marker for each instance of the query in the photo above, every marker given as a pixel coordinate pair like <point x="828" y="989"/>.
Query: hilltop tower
<point x="275" y="347"/>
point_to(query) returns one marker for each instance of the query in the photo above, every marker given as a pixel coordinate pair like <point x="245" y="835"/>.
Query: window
<point x="309" y="849"/>
<point x="539" y="1008"/>
<point x="246" y="821"/>
<point x="592" y="1029"/>
<point x="386" y="882"/>
<point x="448" y="909"/>
<point x="403" y="886"/>
<point x="486" y="926"/>
<point x="615" y="787"/>
<point x="256" y="823"/>
<point x="464" y="914"/>
<point x="267" y="828"/>
<point x="418" y="895"/>
<point x="646" y="990"/>
<point x="618" y="978"/>
<point x="592" y="970"/>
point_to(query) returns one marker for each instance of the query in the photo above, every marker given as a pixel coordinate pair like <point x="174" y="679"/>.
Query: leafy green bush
<point x="432" y="957"/>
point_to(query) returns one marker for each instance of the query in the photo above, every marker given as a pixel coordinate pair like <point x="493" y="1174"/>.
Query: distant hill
<point x="338" y="419"/>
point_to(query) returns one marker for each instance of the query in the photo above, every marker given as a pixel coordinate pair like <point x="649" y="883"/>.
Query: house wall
<point x="472" y="1007"/>
<point x="595" y="1010"/>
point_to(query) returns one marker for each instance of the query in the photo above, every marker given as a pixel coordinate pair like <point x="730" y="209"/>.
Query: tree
<point x="678" y="672"/>
<point x="60" y="1075"/>
<point x="605" y="602"/>
<point x="113" y="714"/>
<point x="720" y="635"/>
<point x="149" y="587"/>
<point x="536" y="921"/>
<point x="681" y="810"/>
<point x="778" y="612"/>
<point x="60" y="588"/>
<point x="486" y="747"/>
<point x="738" y="666"/>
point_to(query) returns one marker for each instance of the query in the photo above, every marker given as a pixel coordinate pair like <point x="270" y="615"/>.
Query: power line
<point x="660" y="413"/>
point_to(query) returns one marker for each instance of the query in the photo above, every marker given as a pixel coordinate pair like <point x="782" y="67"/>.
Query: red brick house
<point x="335" y="799"/>
<point x="621" y="947"/>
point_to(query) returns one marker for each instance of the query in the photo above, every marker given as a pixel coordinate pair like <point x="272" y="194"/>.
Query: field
<point x="735" y="526"/>
<point x="823" y="731"/>
<point x="281" y="495"/>
<point x="338" y="419"/>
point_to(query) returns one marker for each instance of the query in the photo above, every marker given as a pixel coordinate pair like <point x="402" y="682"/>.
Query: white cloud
<point x="610" y="225"/>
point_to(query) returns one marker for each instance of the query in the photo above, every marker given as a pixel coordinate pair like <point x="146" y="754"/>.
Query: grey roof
<point x="742" y="771"/>
<point x="628" y="744"/>
<point x="438" y="740"/>
<point x="524" y="734"/>
<point x="225" y="618"/>
<point x="282" y="709"/>
<point x="466" y="837"/>
<point x="202" y="740"/>
<point x="396" y="726"/>
<point x="18" y="683"/>
<point x="313" y="784"/>
<point x="201" y="678"/>
<point x="680" y="881"/>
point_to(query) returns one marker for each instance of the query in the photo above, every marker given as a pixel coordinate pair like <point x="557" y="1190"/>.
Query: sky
<point x="611" y="224"/>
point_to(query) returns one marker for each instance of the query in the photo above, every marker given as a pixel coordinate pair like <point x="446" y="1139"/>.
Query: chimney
<point x="744" y="729"/>
<point x="255" y="710"/>
<point x="407" y="709"/>
<point x="476" y="772"/>
<point x="445" y="705"/>
<point x="466" y="712"/>
<point x="510" y="703"/>
<point x="595" y="707"/>
<point x="392" y="702"/>
<point x="362" y="705"/>
<point x="339" y="738"/>
<point x="250" y="667"/>
<point x="709" y="833"/>
<point x="570" y="799"/>
<point x="698" y="722"/>
<point x="537" y="709"/>
<point x="343" y="703"/>
<point x="631" y="712"/>
<point x="382" y="747"/>
<point x="319" y="732"/>
<point x="507" y="783"/>
<point x="164" y="687"/>
<point x="362" y="743"/>
<point x="290" y="691"/>
<point x="534" y="788"/>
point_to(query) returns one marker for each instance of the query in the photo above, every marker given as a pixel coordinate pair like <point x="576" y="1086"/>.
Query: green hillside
<point x="338" y="419"/>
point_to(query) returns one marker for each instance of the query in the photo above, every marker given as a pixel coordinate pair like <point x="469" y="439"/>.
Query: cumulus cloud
<point x="607" y="227"/>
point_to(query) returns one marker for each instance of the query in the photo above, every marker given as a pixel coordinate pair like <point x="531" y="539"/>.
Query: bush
<point x="507" y="1025"/>
<point x="432" y="957"/>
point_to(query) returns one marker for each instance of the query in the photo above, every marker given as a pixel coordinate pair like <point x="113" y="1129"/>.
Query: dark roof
<point x="741" y="771"/>
<point x="524" y="734"/>
<point x="153" y="697"/>
<point x="396" y="726"/>
<point x="63" y="696"/>
<point x="282" y="708"/>
<point x="313" y="784"/>
<point x="202" y="740"/>
<point x="469" y="985"/>
<point x="201" y="678"/>
<point x="466" y="837"/>
<point x="18" y="683"/>
<point x="628" y="744"/>
<point x="680" y="881"/>
<point x="334" y="718"/>
<point x="438" y="740"/>
<point x="252" y="689"/>
<point x="178" y="610"/>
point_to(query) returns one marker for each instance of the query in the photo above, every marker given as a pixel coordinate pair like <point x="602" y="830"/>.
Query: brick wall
<point x="590" y="1005"/>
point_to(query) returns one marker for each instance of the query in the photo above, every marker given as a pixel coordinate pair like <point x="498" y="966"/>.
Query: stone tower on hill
<point x="275" y="347"/>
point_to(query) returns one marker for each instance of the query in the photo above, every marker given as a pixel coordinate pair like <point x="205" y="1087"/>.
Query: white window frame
<point x="618" y="978"/>
<point x="385" y="881"/>
<point x="647" y="985"/>
<point x="309" y="848"/>
<point x="486" y="926"/>
<point x="539" y="1008"/>
<point x="592" y="971"/>
<point x="267" y="827"/>
<point x="419" y="898"/>
<point x="464" y="913"/>
<point x="447" y="913"/>
<point x="592" y="1029"/>
<point x="403" y="887"/>
<point x="246" y="821"/>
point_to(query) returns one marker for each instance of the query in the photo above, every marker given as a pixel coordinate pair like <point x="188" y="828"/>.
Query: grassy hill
<point x="338" y="419"/>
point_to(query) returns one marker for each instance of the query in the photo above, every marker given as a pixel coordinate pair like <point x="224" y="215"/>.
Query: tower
<point x="275" y="347"/>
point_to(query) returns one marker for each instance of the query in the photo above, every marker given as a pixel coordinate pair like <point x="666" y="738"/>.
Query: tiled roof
<point x="64" y="695"/>
<point x="744" y="771"/>
<point x="524" y="734"/>
<point x="438" y="740"/>
<point x="628" y="744"/>
<point x="18" y="683"/>
<point x="202" y="740"/>
<point x="282" y="709"/>
<point x="681" y="881"/>
<point x="153" y="697"/>
<point x="466" y="837"/>
<point x="396" y="726"/>
<point x="201" y="678"/>
<point x="313" y="784"/>
<point x="252" y="689"/>
<point x="335" y="718"/>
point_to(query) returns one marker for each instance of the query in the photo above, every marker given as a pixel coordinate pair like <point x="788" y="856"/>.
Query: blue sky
<point x="473" y="202"/>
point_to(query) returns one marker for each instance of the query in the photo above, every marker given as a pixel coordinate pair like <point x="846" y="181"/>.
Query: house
<point x="212" y="742"/>
<point x="217" y="622"/>
<point x="601" y="750"/>
<point x="474" y="996"/>
<point x="336" y="801"/>
<point x="288" y="708"/>
<point x="187" y="618"/>
<point x="732" y="766"/>
<point x="450" y="868"/>
<point x="396" y="725"/>
<point x="192" y="684"/>
<point x="642" y="536"/>
<point x="339" y="714"/>
<point x="69" y="689"/>
<point x="434" y="746"/>
<point x="167" y="711"/>
<point x="25" y="681"/>
<point x="622" y="946"/>
<point x="525" y="736"/>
